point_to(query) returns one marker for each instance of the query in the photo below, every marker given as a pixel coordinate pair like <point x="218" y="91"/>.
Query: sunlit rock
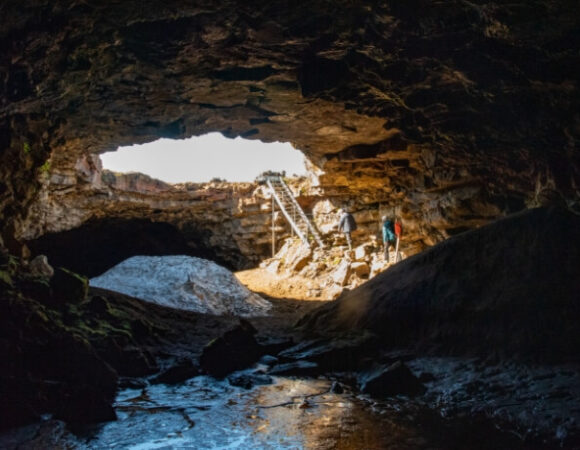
<point x="361" y="252"/>
<point x="341" y="273"/>
<point x="361" y="269"/>
<point x="294" y="255"/>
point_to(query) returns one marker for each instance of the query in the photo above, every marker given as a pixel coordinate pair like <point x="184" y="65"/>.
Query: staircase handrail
<point x="286" y="192"/>
<point x="283" y="209"/>
<point x="302" y="213"/>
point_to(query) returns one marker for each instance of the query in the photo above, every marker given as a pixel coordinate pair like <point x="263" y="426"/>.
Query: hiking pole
<point x="397" y="255"/>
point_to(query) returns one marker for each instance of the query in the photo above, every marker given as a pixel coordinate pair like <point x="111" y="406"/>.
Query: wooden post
<point x="273" y="230"/>
<point x="293" y="218"/>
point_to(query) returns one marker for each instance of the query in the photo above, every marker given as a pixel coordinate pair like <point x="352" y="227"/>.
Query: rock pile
<point x="327" y="272"/>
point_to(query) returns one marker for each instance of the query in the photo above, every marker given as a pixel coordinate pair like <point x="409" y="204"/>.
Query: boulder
<point x="67" y="286"/>
<point x="183" y="370"/>
<point x="295" y="255"/>
<point x="235" y="350"/>
<point x="361" y="252"/>
<point x="78" y="385"/>
<point x="325" y="217"/>
<point x="39" y="267"/>
<point x="98" y="305"/>
<point x="313" y="269"/>
<point x="335" y="291"/>
<point x="343" y="353"/>
<point x="39" y="289"/>
<point x="377" y="266"/>
<point x="271" y="266"/>
<point x="128" y="360"/>
<point x="249" y="380"/>
<point x="396" y="379"/>
<point x="341" y="273"/>
<point x="299" y="368"/>
<point x="361" y="269"/>
<point x="336" y="388"/>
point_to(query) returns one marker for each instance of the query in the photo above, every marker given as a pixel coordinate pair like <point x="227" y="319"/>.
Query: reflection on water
<point x="204" y="413"/>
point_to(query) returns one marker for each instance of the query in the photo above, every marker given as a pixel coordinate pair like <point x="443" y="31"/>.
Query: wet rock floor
<point x="204" y="413"/>
<point x="469" y="404"/>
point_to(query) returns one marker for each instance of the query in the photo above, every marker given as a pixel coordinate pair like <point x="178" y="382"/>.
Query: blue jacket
<point x="388" y="231"/>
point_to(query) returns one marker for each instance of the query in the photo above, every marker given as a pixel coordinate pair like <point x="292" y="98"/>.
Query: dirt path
<point x="273" y="285"/>
<point x="290" y="301"/>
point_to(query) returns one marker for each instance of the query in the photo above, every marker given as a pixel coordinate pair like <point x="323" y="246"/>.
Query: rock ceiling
<point x="457" y="111"/>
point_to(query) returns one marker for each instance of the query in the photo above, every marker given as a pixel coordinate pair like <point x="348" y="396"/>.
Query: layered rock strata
<point x="89" y="221"/>
<point x="228" y="222"/>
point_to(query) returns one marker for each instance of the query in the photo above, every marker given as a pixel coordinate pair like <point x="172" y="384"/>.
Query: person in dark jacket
<point x="347" y="225"/>
<point x="389" y="237"/>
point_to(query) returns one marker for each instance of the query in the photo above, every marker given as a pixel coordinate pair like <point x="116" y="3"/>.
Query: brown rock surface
<point x="458" y="113"/>
<point x="91" y="226"/>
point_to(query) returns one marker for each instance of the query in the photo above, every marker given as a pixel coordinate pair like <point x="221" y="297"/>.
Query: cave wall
<point x="453" y="112"/>
<point x="229" y="223"/>
<point x="98" y="245"/>
<point x="84" y="217"/>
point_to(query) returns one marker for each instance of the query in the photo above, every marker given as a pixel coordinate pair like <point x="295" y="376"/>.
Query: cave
<point x="462" y="118"/>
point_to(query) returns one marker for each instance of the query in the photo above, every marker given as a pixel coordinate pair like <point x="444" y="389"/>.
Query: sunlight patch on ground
<point x="200" y="159"/>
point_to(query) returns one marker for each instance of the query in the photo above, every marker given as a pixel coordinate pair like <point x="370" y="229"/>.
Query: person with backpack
<point x="347" y="225"/>
<point x="388" y="235"/>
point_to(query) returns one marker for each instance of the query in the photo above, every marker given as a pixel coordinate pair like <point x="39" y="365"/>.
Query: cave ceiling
<point x="394" y="101"/>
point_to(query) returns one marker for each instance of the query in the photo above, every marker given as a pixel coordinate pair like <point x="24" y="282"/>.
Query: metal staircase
<point x="292" y="211"/>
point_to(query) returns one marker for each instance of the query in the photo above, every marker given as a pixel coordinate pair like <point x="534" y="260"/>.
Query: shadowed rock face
<point x="458" y="112"/>
<point x="99" y="245"/>
<point x="509" y="289"/>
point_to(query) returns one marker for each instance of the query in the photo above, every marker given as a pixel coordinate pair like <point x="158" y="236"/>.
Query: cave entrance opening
<point x="206" y="158"/>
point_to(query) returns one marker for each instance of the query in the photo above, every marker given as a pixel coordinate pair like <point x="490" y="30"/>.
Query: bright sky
<point x="200" y="159"/>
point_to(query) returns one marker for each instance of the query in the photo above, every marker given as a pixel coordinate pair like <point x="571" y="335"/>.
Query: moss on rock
<point x="69" y="286"/>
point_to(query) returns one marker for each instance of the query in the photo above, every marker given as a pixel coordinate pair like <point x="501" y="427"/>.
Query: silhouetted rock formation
<point x="509" y="290"/>
<point x="99" y="245"/>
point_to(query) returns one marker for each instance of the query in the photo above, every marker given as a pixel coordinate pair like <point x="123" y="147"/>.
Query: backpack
<point x="398" y="229"/>
<point x="351" y="222"/>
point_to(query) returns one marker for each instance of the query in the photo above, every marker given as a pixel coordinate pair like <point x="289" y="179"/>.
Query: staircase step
<point x="292" y="210"/>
